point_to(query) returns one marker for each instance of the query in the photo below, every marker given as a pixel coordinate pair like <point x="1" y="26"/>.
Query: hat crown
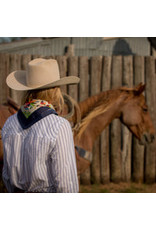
<point x="41" y="71"/>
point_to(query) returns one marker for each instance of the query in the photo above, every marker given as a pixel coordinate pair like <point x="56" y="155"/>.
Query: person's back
<point x="38" y="148"/>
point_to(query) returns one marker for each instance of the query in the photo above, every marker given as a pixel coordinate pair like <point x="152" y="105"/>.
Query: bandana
<point x="31" y="106"/>
<point x="33" y="111"/>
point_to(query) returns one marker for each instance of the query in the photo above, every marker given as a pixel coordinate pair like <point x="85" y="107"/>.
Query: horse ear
<point x="139" y="88"/>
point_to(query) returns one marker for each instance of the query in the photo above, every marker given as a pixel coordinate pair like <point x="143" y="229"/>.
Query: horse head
<point x="135" y="114"/>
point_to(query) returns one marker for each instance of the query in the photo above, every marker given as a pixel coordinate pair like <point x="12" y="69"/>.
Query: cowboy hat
<point x="40" y="74"/>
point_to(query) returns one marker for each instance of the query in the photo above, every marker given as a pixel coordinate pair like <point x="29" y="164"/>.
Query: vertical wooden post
<point x="84" y="78"/>
<point x="137" y="149"/>
<point x="96" y="70"/>
<point x="105" y="164"/>
<point x="73" y="71"/>
<point x="116" y="125"/>
<point x="15" y="64"/>
<point x="126" y="135"/>
<point x="155" y="112"/>
<point x="62" y="62"/>
<point x="83" y="94"/>
<point x="24" y="61"/>
<point x="150" y="152"/>
<point x="4" y="71"/>
<point x="34" y="56"/>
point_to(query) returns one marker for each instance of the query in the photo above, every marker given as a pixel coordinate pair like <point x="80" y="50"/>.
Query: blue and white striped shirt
<point x="40" y="158"/>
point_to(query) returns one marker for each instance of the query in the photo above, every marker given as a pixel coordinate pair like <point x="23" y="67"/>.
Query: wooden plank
<point x="153" y="52"/>
<point x="84" y="78"/>
<point x="15" y="64"/>
<point x="62" y="62"/>
<point x="24" y="61"/>
<point x="85" y="177"/>
<point x="150" y="152"/>
<point x="4" y="71"/>
<point x="104" y="139"/>
<point x="73" y="71"/>
<point x="137" y="149"/>
<point x="95" y="74"/>
<point x="115" y="153"/>
<point x="126" y="135"/>
<point x="34" y="56"/>
<point x="155" y="111"/>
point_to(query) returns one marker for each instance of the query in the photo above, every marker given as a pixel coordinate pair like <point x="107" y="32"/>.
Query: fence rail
<point x="117" y="154"/>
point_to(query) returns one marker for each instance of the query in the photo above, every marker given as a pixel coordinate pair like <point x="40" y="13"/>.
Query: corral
<point x="101" y="66"/>
<point x="117" y="154"/>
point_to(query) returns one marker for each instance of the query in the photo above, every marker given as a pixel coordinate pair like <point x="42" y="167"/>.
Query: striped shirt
<point x="40" y="158"/>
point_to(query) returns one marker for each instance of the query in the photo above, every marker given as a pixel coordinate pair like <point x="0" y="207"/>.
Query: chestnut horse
<point x="97" y="112"/>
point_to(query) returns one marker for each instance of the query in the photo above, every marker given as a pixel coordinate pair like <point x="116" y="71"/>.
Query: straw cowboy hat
<point x="40" y="74"/>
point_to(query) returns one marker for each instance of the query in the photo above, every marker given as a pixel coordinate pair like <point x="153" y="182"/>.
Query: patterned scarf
<point x="31" y="106"/>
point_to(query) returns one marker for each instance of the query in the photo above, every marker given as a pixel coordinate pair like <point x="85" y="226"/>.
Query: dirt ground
<point x="110" y="188"/>
<point x="119" y="188"/>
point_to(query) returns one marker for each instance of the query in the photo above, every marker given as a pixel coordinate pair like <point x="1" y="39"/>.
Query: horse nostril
<point x="152" y="137"/>
<point x="146" y="138"/>
<point x="149" y="138"/>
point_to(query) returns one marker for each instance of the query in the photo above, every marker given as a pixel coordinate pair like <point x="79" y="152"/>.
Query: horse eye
<point x="145" y="109"/>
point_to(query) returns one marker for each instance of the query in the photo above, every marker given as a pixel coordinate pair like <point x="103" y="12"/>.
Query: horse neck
<point x="90" y="103"/>
<point x="103" y="115"/>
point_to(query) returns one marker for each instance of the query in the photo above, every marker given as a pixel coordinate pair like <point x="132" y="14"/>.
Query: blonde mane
<point x="104" y="103"/>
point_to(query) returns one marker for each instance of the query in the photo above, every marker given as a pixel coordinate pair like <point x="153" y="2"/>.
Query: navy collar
<point x="34" y="117"/>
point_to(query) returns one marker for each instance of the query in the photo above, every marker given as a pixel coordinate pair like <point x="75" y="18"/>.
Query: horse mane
<point x="98" y="104"/>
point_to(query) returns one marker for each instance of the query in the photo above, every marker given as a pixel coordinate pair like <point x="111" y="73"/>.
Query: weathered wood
<point x="84" y="78"/>
<point x="24" y="61"/>
<point x="137" y="149"/>
<point x="104" y="140"/>
<point x="70" y="51"/>
<point x="23" y="66"/>
<point x="34" y="56"/>
<point x="95" y="74"/>
<point x="126" y="135"/>
<point x="73" y="71"/>
<point x="83" y="94"/>
<point x="4" y="71"/>
<point x="155" y="113"/>
<point x="150" y="152"/>
<point x="153" y="52"/>
<point x="15" y="64"/>
<point x="115" y="152"/>
<point x="62" y="62"/>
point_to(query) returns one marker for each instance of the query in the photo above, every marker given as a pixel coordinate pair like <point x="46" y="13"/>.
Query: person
<point x="38" y="145"/>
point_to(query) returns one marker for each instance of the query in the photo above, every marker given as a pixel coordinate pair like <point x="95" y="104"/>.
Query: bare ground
<point x="110" y="188"/>
<point x="119" y="188"/>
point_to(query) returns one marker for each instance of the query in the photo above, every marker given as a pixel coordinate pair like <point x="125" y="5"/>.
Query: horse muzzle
<point x="147" y="138"/>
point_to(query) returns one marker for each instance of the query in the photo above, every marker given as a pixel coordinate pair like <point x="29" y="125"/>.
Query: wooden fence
<point x="117" y="155"/>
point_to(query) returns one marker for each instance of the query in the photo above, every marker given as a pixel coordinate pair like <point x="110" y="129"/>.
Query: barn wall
<point x="83" y="46"/>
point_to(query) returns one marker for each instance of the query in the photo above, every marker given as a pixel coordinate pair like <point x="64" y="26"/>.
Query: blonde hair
<point x="53" y="96"/>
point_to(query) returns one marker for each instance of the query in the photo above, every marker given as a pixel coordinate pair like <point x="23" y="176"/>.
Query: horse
<point x="97" y="112"/>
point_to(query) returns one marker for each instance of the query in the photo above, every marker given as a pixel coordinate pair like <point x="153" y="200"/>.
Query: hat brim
<point x="17" y="81"/>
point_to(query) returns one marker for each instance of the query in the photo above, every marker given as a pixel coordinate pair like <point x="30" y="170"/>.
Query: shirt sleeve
<point x="5" y="176"/>
<point x="64" y="169"/>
